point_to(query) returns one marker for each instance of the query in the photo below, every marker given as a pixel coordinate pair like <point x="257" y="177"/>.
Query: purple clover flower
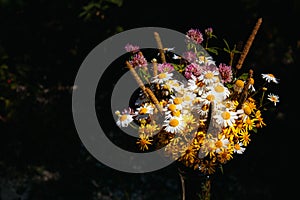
<point x="192" y="69"/>
<point x="131" y="48"/>
<point x="195" y="36"/>
<point x="190" y="56"/>
<point x="208" y="32"/>
<point x="165" y="67"/>
<point x="226" y="73"/>
<point x="138" y="60"/>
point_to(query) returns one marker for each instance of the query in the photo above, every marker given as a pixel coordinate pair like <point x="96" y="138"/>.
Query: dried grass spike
<point x="160" y="47"/>
<point x="154" y="99"/>
<point x="154" y="62"/>
<point x="248" y="44"/>
<point x="136" y="77"/>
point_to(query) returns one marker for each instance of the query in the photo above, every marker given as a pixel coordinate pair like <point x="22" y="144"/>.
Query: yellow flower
<point x="144" y="141"/>
<point x="245" y="137"/>
<point x="207" y="167"/>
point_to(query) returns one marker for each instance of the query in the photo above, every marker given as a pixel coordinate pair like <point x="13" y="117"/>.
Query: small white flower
<point x="208" y="97"/>
<point x="124" y="120"/>
<point x="274" y="98"/>
<point x="208" y="60"/>
<point x="209" y="77"/>
<point x="188" y="98"/>
<point x="238" y="148"/>
<point x="221" y="144"/>
<point x="220" y="91"/>
<point x="226" y="118"/>
<point x="173" y="85"/>
<point x="174" y="125"/>
<point x="175" y="57"/>
<point x="145" y="109"/>
<point x="270" y="78"/>
<point x="162" y="77"/>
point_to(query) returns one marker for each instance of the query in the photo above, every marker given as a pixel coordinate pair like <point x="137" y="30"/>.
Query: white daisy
<point x="162" y="77"/>
<point x="174" y="125"/>
<point x="124" y="120"/>
<point x="238" y="148"/>
<point x="209" y="77"/>
<point x="188" y="98"/>
<point x="175" y="113"/>
<point x="177" y="101"/>
<point x="203" y="110"/>
<point x="173" y="85"/>
<point x="251" y="85"/>
<point x="195" y="85"/>
<point x="172" y="107"/>
<point x="270" y="78"/>
<point x="226" y="118"/>
<point x="208" y="97"/>
<point x="221" y="144"/>
<point x="175" y="57"/>
<point x="219" y="91"/>
<point x="230" y="105"/>
<point x="145" y="109"/>
<point x="274" y="98"/>
<point x="208" y="60"/>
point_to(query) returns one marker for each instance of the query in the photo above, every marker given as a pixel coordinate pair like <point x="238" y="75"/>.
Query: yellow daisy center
<point x="274" y="98"/>
<point x="227" y="105"/>
<point x="202" y="58"/>
<point x="123" y="118"/>
<point x="219" y="89"/>
<point x="209" y="75"/>
<point x="271" y="75"/>
<point x="247" y="110"/>
<point x="143" y="111"/>
<point x="200" y="84"/>
<point x="251" y="81"/>
<point x="219" y="144"/>
<point x="176" y="113"/>
<point x="174" y="122"/>
<point x="239" y="83"/>
<point x="237" y="146"/>
<point x="226" y="115"/>
<point x="187" y="98"/>
<point x="251" y="105"/>
<point x="204" y="107"/>
<point x="172" y="107"/>
<point x="210" y="97"/>
<point x="240" y="125"/>
<point x="248" y="121"/>
<point x="162" y="76"/>
<point x="177" y="100"/>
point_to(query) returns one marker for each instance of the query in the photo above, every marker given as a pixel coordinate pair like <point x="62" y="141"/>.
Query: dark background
<point x="42" y="45"/>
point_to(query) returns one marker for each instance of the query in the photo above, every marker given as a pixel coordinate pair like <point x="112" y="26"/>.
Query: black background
<point x="41" y="156"/>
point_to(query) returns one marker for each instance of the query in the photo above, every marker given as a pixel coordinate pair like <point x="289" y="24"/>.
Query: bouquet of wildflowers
<point x="205" y="118"/>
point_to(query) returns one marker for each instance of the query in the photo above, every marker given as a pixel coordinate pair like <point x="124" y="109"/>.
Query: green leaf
<point x="229" y="86"/>
<point x="226" y="50"/>
<point x="212" y="50"/>
<point x="227" y="45"/>
<point x="119" y="3"/>
<point x="221" y="168"/>
<point x="254" y="130"/>
<point x="244" y="76"/>
<point x="236" y="51"/>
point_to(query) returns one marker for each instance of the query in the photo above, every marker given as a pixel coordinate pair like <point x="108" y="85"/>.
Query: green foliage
<point x="98" y="8"/>
<point x="243" y="77"/>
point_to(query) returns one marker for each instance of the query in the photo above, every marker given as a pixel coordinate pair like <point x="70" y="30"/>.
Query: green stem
<point x="262" y="98"/>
